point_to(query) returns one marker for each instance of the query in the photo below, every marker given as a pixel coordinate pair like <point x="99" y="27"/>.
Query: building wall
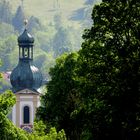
<point x="31" y="100"/>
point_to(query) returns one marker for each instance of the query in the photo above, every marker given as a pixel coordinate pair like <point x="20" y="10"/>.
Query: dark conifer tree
<point x="18" y="19"/>
<point x="5" y="12"/>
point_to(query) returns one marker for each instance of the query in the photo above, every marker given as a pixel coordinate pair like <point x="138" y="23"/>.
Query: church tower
<point x="25" y="79"/>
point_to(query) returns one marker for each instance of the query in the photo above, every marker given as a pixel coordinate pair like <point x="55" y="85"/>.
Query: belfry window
<point x="26" y="114"/>
<point x="25" y="52"/>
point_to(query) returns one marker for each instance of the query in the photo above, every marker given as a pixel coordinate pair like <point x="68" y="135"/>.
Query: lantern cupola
<point x="26" y="75"/>
<point x="25" y="42"/>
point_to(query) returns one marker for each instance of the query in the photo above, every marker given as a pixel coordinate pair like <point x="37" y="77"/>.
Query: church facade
<point x="25" y="79"/>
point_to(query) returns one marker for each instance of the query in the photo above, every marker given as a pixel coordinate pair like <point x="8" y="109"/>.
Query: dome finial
<point x="25" y="37"/>
<point x="25" y="23"/>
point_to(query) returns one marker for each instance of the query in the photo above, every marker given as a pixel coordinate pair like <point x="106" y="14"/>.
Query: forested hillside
<point x="57" y="27"/>
<point x="94" y="90"/>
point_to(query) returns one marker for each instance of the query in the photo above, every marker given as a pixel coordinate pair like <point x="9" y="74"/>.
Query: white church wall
<point x="30" y="104"/>
<point x="14" y="114"/>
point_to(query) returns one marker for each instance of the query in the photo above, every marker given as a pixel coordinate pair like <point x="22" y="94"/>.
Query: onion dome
<point x="26" y="76"/>
<point x="25" y="38"/>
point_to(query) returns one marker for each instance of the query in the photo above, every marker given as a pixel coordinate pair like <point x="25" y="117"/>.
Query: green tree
<point x="110" y="72"/>
<point x="18" y="19"/>
<point x="5" y="12"/>
<point x="62" y="97"/>
<point x="8" y="131"/>
<point x="6" y="30"/>
<point x="65" y="39"/>
<point x="38" y="133"/>
<point x="58" y="21"/>
<point x="61" y="42"/>
<point x="34" y="23"/>
<point x="7" y="47"/>
<point x="108" y="78"/>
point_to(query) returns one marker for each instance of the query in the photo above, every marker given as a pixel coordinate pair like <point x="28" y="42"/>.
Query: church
<point x="25" y="79"/>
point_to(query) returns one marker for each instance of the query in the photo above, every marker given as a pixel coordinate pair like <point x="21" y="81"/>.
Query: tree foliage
<point x="61" y="43"/>
<point x="8" y="131"/>
<point x="52" y="135"/>
<point x="106" y="79"/>
<point x="18" y="19"/>
<point x="110" y="54"/>
<point x="61" y="99"/>
<point x="5" y="12"/>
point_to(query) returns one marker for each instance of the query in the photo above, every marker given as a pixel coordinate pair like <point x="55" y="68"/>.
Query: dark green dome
<point x="26" y="75"/>
<point x="25" y="38"/>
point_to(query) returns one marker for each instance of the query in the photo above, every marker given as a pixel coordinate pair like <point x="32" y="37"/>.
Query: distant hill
<point x="57" y="26"/>
<point x="45" y="9"/>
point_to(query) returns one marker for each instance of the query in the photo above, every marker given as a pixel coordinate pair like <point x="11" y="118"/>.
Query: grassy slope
<point x="44" y="9"/>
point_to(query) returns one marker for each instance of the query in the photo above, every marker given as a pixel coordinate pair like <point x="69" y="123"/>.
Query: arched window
<point x="26" y="114"/>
